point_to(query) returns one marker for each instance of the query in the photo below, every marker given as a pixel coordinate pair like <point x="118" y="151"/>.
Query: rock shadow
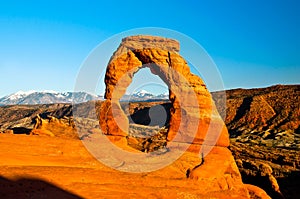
<point x="21" y="130"/>
<point x="242" y="110"/>
<point x="263" y="182"/>
<point x="289" y="185"/>
<point x="30" y="188"/>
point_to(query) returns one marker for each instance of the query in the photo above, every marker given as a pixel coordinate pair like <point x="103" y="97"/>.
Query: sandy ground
<point x="47" y="167"/>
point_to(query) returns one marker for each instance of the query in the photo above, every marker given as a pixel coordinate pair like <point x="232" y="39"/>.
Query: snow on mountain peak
<point x="19" y="94"/>
<point x="46" y="97"/>
<point x="50" y="96"/>
<point x="143" y="92"/>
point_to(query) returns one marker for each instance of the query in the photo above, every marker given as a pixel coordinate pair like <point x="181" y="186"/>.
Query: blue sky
<point x="43" y="43"/>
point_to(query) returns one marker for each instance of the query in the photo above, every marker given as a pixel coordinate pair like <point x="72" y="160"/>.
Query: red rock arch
<point x="192" y="106"/>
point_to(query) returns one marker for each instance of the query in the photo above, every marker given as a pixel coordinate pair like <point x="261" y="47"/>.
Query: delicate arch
<point x="192" y="105"/>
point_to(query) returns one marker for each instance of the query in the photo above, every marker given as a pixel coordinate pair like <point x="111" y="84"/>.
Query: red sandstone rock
<point x="192" y="106"/>
<point x="193" y="117"/>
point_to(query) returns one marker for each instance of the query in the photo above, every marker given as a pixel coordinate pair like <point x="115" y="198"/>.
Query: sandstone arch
<point x="161" y="55"/>
<point x="195" y="124"/>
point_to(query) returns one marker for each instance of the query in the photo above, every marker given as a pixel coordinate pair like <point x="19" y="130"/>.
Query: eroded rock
<point x="194" y="119"/>
<point x="52" y="126"/>
<point x="192" y="106"/>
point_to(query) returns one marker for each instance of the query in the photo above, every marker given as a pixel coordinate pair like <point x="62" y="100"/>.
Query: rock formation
<point x="52" y="126"/>
<point x="193" y="117"/>
<point x="21" y="118"/>
<point x="192" y="105"/>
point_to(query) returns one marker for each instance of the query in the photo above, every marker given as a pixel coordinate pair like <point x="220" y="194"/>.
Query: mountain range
<point x="51" y="97"/>
<point x="46" y="97"/>
<point x="144" y="95"/>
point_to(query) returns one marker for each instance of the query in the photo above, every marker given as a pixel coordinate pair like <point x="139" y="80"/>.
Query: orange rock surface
<point x="44" y="167"/>
<point x="192" y="106"/>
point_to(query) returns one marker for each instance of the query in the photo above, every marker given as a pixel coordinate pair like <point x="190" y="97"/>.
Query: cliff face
<point x="269" y="116"/>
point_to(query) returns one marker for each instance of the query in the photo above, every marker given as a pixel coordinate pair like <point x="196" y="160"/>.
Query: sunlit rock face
<point x="194" y="119"/>
<point x="192" y="106"/>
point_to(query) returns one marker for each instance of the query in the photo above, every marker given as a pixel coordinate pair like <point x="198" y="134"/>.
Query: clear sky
<point x="43" y="43"/>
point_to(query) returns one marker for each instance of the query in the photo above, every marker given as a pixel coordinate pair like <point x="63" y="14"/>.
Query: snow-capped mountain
<point x="51" y="97"/>
<point x="163" y="96"/>
<point x="47" y="97"/>
<point x="144" y="95"/>
<point x="17" y="95"/>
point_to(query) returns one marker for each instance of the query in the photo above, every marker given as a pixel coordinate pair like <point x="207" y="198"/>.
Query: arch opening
<point x="147" y="106"/>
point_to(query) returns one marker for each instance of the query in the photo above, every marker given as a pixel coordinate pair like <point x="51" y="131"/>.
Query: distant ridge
<point x="51" y="97"/>
<point x="144" y="95"/>
<point x="47" y="97"/>
<point x="261" y="111"/>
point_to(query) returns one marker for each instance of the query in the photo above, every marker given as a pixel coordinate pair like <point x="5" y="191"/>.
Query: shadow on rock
<point x="21" y="130"/>
<point x="290" y="185"/>
<point x="31" y="188"/>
